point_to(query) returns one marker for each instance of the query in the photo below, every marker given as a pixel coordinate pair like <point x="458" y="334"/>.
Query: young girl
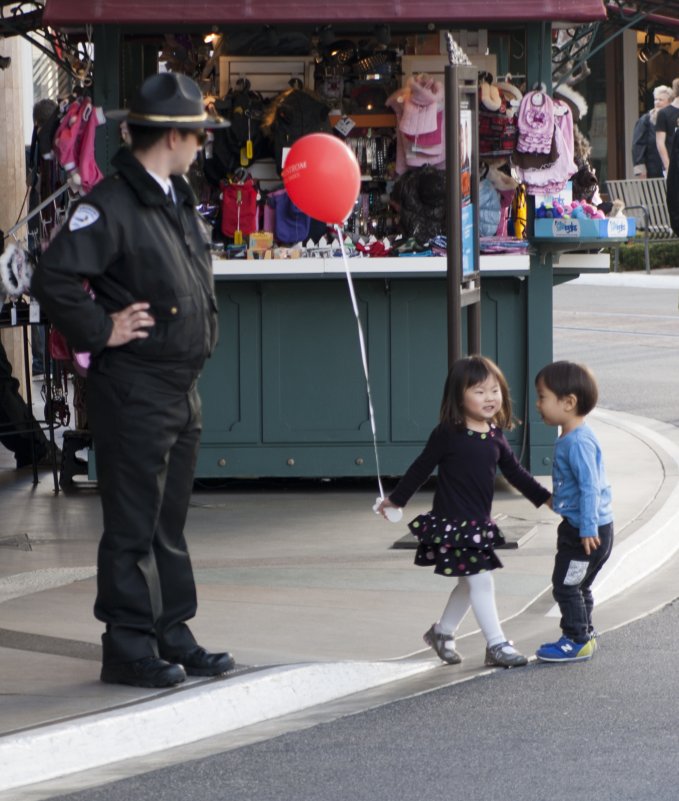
<point x="458" y="537"/>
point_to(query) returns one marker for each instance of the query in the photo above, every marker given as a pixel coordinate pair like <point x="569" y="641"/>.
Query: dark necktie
<point x="171" y="205"/>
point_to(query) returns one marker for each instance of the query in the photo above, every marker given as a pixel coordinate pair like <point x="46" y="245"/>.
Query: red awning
<point x="162" y="13"/>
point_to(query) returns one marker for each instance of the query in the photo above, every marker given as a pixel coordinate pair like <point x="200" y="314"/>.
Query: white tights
<point x="477" y="591"/>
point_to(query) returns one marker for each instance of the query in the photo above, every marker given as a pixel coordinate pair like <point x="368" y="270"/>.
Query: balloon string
<point x="364" y="355"/>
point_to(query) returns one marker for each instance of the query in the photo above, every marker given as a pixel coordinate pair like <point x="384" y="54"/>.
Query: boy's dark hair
<point x="467" y="373"/>
<point x="568" y="378"/>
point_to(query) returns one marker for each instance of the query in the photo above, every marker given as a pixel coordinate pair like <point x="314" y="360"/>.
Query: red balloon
<point x="322" y="177"/>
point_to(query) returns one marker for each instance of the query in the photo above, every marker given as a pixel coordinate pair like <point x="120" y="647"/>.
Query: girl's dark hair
<point x="469" y="372"/>
<point x="567" y="378"/>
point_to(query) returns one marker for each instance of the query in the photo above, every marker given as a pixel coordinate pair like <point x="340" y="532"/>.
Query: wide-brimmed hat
<point x="168" y="100"/>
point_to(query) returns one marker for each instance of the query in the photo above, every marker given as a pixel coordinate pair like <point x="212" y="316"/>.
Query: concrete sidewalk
<point x="300" y="582"/>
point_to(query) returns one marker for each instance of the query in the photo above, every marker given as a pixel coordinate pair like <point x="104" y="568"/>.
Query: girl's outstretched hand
<point x="385" y="504"/>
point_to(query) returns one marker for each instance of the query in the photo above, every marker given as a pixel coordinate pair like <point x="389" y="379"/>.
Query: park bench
<point x="645" y="199"/>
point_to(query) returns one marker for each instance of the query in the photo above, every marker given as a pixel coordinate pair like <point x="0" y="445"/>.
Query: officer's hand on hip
<point x="130" y="323"/>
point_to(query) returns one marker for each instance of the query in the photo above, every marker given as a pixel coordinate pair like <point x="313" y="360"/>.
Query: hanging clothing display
<point x="543" y="159"/>
<point x="74" y="141"/>
<point x="420" y="123"/>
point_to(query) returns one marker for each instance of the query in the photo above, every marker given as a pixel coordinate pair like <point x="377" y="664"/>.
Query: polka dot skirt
<point x="456" y="547"/>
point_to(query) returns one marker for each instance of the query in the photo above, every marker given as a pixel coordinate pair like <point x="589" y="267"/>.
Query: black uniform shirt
<point x="132" y="244"/>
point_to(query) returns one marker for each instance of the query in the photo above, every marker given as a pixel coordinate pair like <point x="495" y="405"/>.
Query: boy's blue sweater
<point x="581" y="492"/>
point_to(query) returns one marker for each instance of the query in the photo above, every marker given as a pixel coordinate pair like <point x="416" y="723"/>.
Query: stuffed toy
<point x="617" y="209"/>
<point x="585" y="184"/>
<point x="16" y="270"/>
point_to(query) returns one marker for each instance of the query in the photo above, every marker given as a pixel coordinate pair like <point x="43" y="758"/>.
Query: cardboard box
<point x="563" y="198"/>
<point x="609" y="228"/>
<point x="260" y="240"/>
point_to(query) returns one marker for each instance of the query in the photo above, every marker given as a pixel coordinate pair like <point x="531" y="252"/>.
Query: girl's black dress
<point x="458" y="536"/>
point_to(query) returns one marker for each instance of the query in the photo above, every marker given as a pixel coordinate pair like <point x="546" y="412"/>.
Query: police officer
<point x="149" y="322"/>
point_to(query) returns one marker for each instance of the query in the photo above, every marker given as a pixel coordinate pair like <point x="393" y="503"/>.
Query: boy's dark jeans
<point x="574" y="573"/>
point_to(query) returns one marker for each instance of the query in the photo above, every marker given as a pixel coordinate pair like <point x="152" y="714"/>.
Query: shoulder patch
<point x="83" y="216"/>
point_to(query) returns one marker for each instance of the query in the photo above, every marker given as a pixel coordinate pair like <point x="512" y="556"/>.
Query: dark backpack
<point x="245" y="110"/>
<point x="291" y="224"/>
<point x="293" y="114"/>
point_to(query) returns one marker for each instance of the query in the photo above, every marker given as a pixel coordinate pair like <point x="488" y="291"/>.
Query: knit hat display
<point x="420" y="123"/>
<point x="421" y="104"/>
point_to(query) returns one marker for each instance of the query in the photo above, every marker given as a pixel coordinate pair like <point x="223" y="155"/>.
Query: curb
<point x="655" y="541"/>
<point x="629" y="279"/>
<point x="187" y="716"/>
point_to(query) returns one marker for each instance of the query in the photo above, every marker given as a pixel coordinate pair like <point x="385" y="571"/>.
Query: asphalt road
<point x="601" y="731"/>
<point x="630" y="338"/>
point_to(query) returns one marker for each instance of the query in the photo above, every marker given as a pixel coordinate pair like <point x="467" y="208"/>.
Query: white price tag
<point x="34" y="311"/>
<point x="344" y="125"/>
<point x="13" y="314"/>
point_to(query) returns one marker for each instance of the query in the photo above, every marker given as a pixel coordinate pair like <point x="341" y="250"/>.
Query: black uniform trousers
<point x="146" y="445"/>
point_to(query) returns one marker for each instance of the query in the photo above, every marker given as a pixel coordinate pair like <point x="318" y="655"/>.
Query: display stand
<point x="462" y="186"/>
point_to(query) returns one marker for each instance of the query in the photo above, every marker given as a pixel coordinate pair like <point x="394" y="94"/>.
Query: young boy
<point x="567" y="392"/>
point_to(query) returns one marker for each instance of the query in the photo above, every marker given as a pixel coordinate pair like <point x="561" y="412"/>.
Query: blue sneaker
<point x="565" y="650"/>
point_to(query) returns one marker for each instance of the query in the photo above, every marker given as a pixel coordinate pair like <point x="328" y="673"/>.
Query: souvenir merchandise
<point x="74" y="142"/>
<point x="519" y="213"/>
<point x="497" y="133"/>
<point x="290" y="116"/>
<point x="392" y="186"/>
<point x="240" y="213"/>
<point x="552" y="178"/>
<point x="490" y="208"/>
<point x="489" y="94"/>
<point x="535" y="123"/>
<point x="545" y="148"/>
<point x="505" y="185"/>
<point x="244" y="141"/>
<point x="420" y="123"/>
<point x="574" y="210"/>
<point x="497" y="130"/>
<point x="16" y="269"/>
<point x="511" y="94"/>
<point x="420" y="195"/>
<point x="291" y="224"/>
